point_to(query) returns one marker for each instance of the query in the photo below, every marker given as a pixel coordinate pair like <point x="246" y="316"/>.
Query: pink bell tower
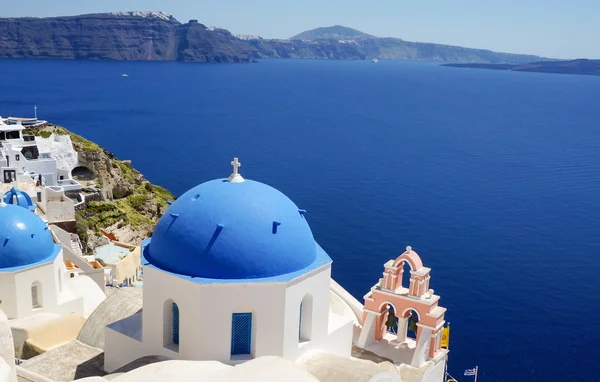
<point x="388" y="297"/>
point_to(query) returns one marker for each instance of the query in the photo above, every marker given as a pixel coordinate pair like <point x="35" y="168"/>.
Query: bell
<point x="413" y="324"/>
<point x="392" y="321"/>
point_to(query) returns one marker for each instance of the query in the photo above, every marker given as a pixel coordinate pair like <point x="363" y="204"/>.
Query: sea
<point x="493" y="177"/>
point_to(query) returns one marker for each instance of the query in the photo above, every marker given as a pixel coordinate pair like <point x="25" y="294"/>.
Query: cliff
<point x="125" y="203"/>
<point x="158" y="36"/>
<point x="581" y="66"/>
<point x="117" y="36"/>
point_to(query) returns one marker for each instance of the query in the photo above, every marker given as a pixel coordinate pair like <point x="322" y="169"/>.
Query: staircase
<point x="76" y="246"/>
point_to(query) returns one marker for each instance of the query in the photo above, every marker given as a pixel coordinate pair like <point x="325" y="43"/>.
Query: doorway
<point x="10" y="176"/>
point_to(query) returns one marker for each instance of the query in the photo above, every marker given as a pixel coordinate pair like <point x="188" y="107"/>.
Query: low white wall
<point x="60" y="211"/>
<point x="119" y="350"/>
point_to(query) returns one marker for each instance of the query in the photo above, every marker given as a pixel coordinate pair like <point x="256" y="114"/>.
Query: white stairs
<point x="76" y="247"/>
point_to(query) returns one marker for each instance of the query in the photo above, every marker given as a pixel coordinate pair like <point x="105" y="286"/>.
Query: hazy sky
<point x="551" y="28"/>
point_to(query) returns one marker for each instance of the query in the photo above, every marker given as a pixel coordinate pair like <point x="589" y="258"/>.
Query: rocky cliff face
<point x="157" y="36"/>
<point x="128" y="205"/>
<point x="101" y="36"/>
<point x="197" y="43"/>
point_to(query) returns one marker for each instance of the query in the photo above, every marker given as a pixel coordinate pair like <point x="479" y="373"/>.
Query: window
<point x="171" y="325"/>
<point x="59" y="280"/>
<point x="39" y="197"/>
<point x="36" y="298"/>
<point x="13" y="135"/>
<point x="241" y="333"/>
<point x="305" y="324"/>
<point x="175" y="324"/>
<point x="17" y="157"/>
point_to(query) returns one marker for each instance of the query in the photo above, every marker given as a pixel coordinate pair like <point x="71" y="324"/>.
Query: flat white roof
<point x="11" y="127"/>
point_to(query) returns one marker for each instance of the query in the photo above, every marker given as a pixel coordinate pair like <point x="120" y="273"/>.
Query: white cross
<point x="235" y="177"/>
<point x="236" y="165"/>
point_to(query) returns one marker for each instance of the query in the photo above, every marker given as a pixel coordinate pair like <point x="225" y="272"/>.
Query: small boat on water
<point x="124" y="75"/>
<point x="375" y="60"/>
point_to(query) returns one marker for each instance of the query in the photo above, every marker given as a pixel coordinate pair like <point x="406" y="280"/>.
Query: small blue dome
<point x="224" y="230"/>
<point x="19" y="198"/>
<point x="24" y="238"/>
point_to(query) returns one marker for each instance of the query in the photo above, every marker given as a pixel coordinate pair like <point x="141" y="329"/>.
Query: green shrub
<point x="81" y="227"/>
<point x="137" y="201"/>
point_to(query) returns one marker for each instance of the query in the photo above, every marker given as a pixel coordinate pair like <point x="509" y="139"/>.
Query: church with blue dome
<point x="232" y="272"/>
<point x="34" y="281"/>
<point x="19" y="198"/>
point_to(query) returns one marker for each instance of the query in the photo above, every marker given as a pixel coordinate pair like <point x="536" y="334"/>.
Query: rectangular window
<point x="241" y="333"/>
<point x="39" y="197"/>
<point x="35" y="303"/>
<point x="175" y="324"/>
<point x="17" y="157"/>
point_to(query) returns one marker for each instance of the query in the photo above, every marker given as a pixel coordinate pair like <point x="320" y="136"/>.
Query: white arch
<point x="389" y="303"/>
<point x="411" y="309"/>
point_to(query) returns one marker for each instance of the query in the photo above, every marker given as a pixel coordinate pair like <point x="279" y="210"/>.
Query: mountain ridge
<point x="149" y="35"/>
<point x="333" y="32"/>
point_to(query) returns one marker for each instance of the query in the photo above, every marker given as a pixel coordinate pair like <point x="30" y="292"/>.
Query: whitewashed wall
<point x="60" y="148"/>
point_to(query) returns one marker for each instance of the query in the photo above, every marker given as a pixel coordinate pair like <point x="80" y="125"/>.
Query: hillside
<point x="336" y="32"/>
<point x="129" y="205"/>
<point x="581" y="66"/>
<point x="159" y="36"/>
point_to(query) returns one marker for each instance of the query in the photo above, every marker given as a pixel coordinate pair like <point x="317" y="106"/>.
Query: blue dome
<point x="24" y="238"/>
<point x="224" y="230"/>
<point x="19" y="198"/>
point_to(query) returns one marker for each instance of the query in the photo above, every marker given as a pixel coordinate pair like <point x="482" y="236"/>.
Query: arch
<point x="407" y="311"/>
<point x="385" y="303"/>
<point x="306" y="318"/>
<point x="36" y="295"/>
<point x="387" y="325"/>
<point x="412" y="259"/>
<point x="171" y="325"/>
<point x="82" y="173"/>
<point x="410" y="315"/>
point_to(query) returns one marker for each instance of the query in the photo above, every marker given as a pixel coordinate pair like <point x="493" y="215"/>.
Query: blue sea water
<point x="493" y="177"/>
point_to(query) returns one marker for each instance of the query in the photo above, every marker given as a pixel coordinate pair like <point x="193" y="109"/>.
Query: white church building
<point x="231" y="273"/>
<point x="33" y="277"/>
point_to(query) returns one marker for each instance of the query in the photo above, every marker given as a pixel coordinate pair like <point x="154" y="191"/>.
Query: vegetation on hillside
<point x="47" y="130"/>
<point x="142" y="204"/>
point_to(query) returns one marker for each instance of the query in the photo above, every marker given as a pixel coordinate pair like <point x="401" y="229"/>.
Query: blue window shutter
<point x="241" y="333"/>
<point x="175" y="324"/>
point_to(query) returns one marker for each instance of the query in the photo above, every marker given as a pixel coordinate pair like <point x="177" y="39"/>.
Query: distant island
<point x="159" y="36"/>
<point x="580" y="66"/>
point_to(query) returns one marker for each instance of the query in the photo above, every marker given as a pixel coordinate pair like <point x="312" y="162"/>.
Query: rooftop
<point x="111" y="253"/>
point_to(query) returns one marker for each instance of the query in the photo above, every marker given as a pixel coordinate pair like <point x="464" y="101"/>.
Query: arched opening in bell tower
<point x="411" y="318"/>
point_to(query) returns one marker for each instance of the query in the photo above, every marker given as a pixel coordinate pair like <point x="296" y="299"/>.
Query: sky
<point x="549" y="28"/>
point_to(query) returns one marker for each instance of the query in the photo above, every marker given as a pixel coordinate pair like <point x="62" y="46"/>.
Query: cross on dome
<point x="235" y="177"/>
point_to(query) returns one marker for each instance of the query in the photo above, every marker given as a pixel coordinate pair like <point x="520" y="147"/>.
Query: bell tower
<point x="391" y="309"/>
